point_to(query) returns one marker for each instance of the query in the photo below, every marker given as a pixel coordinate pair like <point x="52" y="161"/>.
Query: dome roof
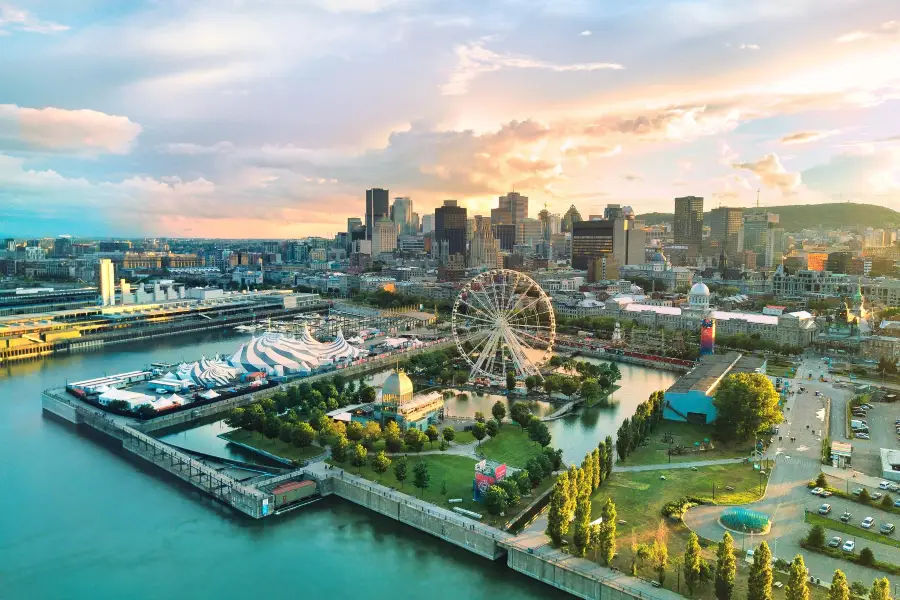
<point x="699" y="289"/>
<point x="397" y="384"/>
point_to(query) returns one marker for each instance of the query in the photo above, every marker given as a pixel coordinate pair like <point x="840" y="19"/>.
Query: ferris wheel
<point x="503" y="321"/>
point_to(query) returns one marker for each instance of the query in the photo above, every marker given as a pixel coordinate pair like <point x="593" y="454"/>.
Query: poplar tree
<point x="557" y="515"/>
<point x="725" y="568"/>
<point x="581" y="526"/>
<point x="692" y="561"/>
<point x="595" y="461"/>
<point x="572" y="492"/>
<point x="608" y="531"/>
<point x="759" y="584"/>
<point x="796" y="588"/>
<point x="601" y="450"/>
<point x="839" y="588"/>
<point x="609" y="456"/>
<point x="881" y="589"/>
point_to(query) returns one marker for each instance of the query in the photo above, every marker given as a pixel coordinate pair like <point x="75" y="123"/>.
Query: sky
<point x="270" y="118"/>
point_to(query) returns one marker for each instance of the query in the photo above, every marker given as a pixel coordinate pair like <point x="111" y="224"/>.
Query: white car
<point x="862" y="436"/>
<point x="848" y="546"/>
<point x="884" y="485"/>
<point x="868" y="522"/>
<point x="817" y="491"/>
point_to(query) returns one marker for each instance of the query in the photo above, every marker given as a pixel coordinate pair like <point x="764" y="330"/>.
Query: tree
<point x="821" y="481"/>
<point x="816" y="536"/>
<point x="609" y="456"/>
<point x="272" y="427"/>
<point x="421" y="476"/>
<point x="499" y="411"/>
<point x="726" y="568"/>
<point x="887" y="502"/>
<point x="865" y="497"/>
<point x="759" y="584"/>
<point x="866" y="557"/>
<point x="512" y="491"/>
<point x="881" y="589"/>
<point x="492" y="428"/>
<point x="745" y="403"/>
<point x="496" y="499"/>
<point x="359" y="455"/>
<point x="432" y="434"/>
<point x="449" y="434"/>
<point x="380" y="462"/>
<point x="557" y="515"/>
<point x="303" y="435"/>
<point x="596" y="470"/>
<point x="608" y="531"/>
<point x="623" y="439"/>
<point x="520" y="414"/>
<point x="858" y="589"/>
<point x="659" y="558"/>
<point x="839" y="589"/>
<point x="414" y="439"/>
<point x="555" y="457"/>
<point x="590" y="391"/>
<point x="539" y="432"/>
<point x="401" y="469"/>
<point x="531" y="382"/>
<point x="581" y="525"/>
<point x="479" y="431"/>
<point x="796" y="588"/>
<point x="393" y="438"/>
<point x="339" y="449"/>
<point x="523" y="480"/>
<point x="692" y="561"/>
<point x="510" y="380"/>
<point x="235" y="418"/>
<point x="479" y="417"/>
<point x="286" y="433"/>
<point x="355" y="431"/>
<point x="367" y="394"/>
<point x="371" y="434"/>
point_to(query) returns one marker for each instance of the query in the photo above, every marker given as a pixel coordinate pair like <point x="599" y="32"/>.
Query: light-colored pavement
<point x="678" y="465"/>
<point x="798" y="460"/>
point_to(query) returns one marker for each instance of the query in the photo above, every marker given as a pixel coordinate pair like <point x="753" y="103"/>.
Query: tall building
<point x="613" y="212"/>
<point x="427" y="223"/>
<point x="484" y="249"/>
<point x="450" y="228"/>
<point x="760" y="237"/>
<point x="377" y="206"/>
<point x="353" y="222"/>
<point x="726" y="231"/>
<point x="629" y="241"/>
<point x="572" y="216"/>
<point x="591" y="240"/>
<point x="384" y="236"/>
<point x="402" y="215"/>
<point x="688" y="223"/>
<point x="512" y="208"/>
<point x="62" y="246"/>
<point x="505" y="234"/>
<point x="530" y="232"/>
<point x="107" y="282"/>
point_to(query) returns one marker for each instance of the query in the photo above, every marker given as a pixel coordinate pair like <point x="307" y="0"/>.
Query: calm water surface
<point x="78" y="520"/>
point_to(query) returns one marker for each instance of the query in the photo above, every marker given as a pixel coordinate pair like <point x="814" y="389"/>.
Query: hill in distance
<point x="807" y="216"/>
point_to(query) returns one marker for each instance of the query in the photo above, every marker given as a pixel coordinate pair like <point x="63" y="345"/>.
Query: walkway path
<point x="678" y="465"/>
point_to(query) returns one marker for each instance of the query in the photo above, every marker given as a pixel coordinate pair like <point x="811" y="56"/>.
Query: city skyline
<point x="246" y="121"/>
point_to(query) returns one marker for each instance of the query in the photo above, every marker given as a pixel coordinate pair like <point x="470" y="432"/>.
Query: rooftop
<point x="707" y="375"/>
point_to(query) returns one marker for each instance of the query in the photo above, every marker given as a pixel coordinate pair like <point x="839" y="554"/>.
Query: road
<point x="787" y="496"/>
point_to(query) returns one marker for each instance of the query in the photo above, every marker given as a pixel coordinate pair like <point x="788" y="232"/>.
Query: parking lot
<point x="882" y="434"/>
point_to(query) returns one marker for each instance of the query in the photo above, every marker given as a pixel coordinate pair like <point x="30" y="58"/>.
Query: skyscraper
<point x="759" y="236"/>
<point x="402" y="215"/>
<point x="688" y="223"/>
<point x="516" y="205"/>
<point x="384" y="236"/>
<point x="629" y="241"/>
<point x="377" y="205"/>
<point x="727" y="231"/>
<point x="591" y="240"/>
<point x="450" y="227"/>
<point x="107" y="282"/>
<point x="613" y="212"/>
<point x="427" y="223"/>
<point x="572" y="216"/>
<point x="484" y="249"/>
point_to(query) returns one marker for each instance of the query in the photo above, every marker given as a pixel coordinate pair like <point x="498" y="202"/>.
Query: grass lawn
<point x="458" y="473"/>
<point x="273" y="445"/>
<point x="774" y="370"/>
<point x="511" y="446"/>
<point x="685" y="434"/>
<point x="852" y="530"/>
<point x="462" y="438"/>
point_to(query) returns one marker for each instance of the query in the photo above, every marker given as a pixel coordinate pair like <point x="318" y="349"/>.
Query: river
<point x="77" y="520"/>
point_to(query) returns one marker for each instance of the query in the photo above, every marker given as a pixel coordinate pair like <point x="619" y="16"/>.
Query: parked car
<point x="845" y="518"/>
<point x="896" y="503"/>
<point x="835" y="542"/>
<point x="886" y="528"/>
<point x="884" y="485"/>
<point x="866" y="406"/>
<point x="877" y="495"/>
<point x="817" y="490"/>
<point x="826" y="493"/>
<point x="868" y="522"/>
<point x="862" y="436"/>
<point x="824" y="509"/>
<point x="848" y="546"/>
<point x="857" y="491"/>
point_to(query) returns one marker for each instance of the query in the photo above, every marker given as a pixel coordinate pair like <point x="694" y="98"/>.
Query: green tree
<point x="380" y="462"/>
<point x="520" y="414"/>
<point x="539" y="432"/>
<point x="393" y="438"/>
<point x="339" y="449"/>
<point x="865" y="497"/>
<point x="796" y="588"/>
<point x="581" y="525"/>
<point x="479" y="430"/>
<point x="596" y="469"/>
<point x="531" y="382"/>
<point x="866" y="557"/>
<point x="303" y="435"/>
<point x="286" y="433"/>
<point x="839" y="589"/>
<point x="816" y="536"/>
<point x="623" y="439"/>
<point x="726" y="568"/>
<point x="272" y="427"/>
<point x="759" y="584"/>
<point x="371" y="434"/>
<point x="557" y="513"/>
<point x="359" y="455"/>
<point x="367" y="394"/>
<point x="414" y="439"/>
<point x="496" y="499"/>
<point x="479" y="417"/>
<point x="510" y="380"/>
<point x="421" y="476"/>
<point x="235" y="418"/>
<point x="401" y="469"/>
<point x="609" y="456"/>
<point x="821" y="481"/>
<point x="355" y="431"/>
<point x="887" y="502"/>
<point x="692" y="561"/>
<point x="512" y="491"/>
<point x="499" y="411"/>
<point x="881" y="589"/>
<point x="448" y="433"/>
<point x="608" y="531"/>
<point x="659" y="558"/>
<point x="432" y="434"/>
<point x="745" y="403"/>
<point x="492" y="428"/>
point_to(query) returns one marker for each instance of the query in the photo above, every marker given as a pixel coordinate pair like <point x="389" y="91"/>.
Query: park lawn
<point x="273" y="445"/>
<point x="511" y="446"/>
<point x="776" y="370"/>
<point x="463" y="437"/>
<point x="685" y="434"/>
<point x="856" y="532"/>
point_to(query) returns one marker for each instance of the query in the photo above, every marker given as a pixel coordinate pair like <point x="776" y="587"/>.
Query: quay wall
<point x="451" y="527"/>
<point x="632" y="360"/>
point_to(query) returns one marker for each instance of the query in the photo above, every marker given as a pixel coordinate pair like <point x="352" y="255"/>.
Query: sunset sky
<point x="270" y="118"/>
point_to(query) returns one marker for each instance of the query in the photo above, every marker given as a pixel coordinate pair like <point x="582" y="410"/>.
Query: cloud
<point x="67" y="131"/>
<point x="772" y="173"/>
<point x="473" y="60"/>
<point x="748" y="47"/>
<point x="804" y="137"/>
<point x="18" y="19"/>
<point x="861" y="172"/>
<point x="188" y="149"/>
<point x="586" y="33"/>
<point x="633" y="177"/>
<point x="886" y="30"/>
